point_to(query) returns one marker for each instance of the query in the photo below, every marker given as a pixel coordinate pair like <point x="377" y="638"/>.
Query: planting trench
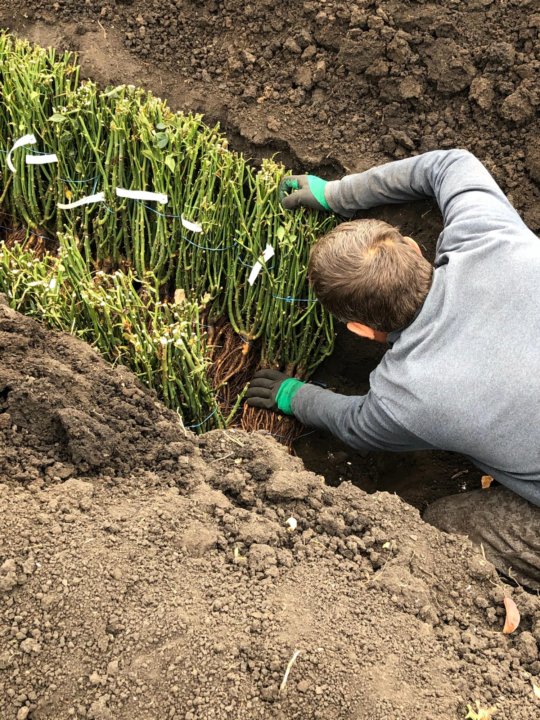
<point x="333" y="89"/>
<point x="177" y="590"/>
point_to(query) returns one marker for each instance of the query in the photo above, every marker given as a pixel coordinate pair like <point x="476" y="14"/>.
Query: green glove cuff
<point x="287" y="390"/>
<point x="317" y="185"/>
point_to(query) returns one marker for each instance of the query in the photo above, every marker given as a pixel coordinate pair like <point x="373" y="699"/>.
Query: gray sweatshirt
<point x="465" y="375"/>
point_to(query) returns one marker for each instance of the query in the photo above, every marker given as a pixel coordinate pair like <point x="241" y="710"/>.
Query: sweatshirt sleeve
<point x="361" y="422"/>
<point x="470" y="200"/>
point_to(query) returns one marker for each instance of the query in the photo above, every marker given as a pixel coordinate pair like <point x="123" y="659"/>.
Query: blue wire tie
<point x="206" y="247"/>
<point x="165" y="215"/>
<point x="290" y="299"/>
<point x="197" y="245"/>
<point x="250" y="265"/>
<point x="202" y="421"/>
<point x="31" y="232"/>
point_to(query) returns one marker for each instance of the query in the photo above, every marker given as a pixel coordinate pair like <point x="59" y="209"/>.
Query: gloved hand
<point x="272" y="390"/>
<point x="307" y="191"/>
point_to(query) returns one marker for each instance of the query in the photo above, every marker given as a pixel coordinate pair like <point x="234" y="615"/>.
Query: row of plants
<point x="164" y="343"/>
<point x="126" y="138"/>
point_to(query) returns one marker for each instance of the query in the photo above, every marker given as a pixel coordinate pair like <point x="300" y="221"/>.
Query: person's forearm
<point x="325" y="410"/>
<point x="359" y="421"/>
<point x="438" y="174"/>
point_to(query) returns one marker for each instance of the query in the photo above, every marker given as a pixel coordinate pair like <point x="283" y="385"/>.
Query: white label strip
<point x="268" y="253"/>
<point x="255" y="270"/>
<point x="41" y="159"/>
<point x="194" y="227"/>
<point x="24" y="140"/>
<point x="142" y="195"/>
<point x="88" y="200"/>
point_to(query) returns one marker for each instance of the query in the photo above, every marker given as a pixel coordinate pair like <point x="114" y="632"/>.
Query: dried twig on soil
<point x="291" y="662"/>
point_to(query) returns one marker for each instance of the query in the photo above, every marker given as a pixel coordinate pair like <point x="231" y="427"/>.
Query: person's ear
<point x="367" y="332"/>
<point x="413" y="244"/>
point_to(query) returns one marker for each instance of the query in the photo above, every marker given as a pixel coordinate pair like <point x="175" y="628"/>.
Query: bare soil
<point x="147" y="573"/>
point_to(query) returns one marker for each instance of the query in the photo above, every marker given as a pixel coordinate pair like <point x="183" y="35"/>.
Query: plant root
<point x="285" y="429"/>
<point x="232" y="367"/>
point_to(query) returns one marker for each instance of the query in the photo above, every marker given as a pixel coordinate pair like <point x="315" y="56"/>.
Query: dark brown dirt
<point x="146" y="573"/>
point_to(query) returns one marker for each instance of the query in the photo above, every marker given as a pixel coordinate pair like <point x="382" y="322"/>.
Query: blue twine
<point x="32" y="232"/>
<point x="201" y="247"/>
<point x="165" y="215"/>
<point x="250" y="265"/>
<point x="179" y="217"/>
<point x="290" y="299"/>
<point x="206" y="247"/>
<point x="202" y="421"/>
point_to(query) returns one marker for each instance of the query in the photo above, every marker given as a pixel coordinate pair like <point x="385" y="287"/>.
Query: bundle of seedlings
<point x="161" y="193"/>
<point x="123" y="317"/>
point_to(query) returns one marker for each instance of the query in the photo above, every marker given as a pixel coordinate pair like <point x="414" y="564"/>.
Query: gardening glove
<point x="307" y="191"/>
<point x="272" y="390"/>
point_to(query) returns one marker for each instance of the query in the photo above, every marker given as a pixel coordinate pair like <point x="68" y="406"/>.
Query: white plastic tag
<point x="142" y="195"/>
<point x="88" y="200"/>
<point x="21" y="142"/>
<point x="194" y="227"/>
<point x="268" y="253"/>
<point x="41" y="159"/>
<point x="255" y="270"/>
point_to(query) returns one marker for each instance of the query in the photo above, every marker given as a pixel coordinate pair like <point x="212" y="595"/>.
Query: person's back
<point x="465" y="375"/>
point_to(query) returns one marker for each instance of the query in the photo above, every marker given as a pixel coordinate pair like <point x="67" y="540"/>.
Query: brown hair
<point x="365" y="271"/>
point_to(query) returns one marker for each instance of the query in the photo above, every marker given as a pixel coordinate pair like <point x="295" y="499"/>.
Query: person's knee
<point x="503" y="524"/>
<point x="449" y="514"/>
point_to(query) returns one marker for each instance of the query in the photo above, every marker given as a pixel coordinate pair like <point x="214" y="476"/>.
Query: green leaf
<point x="162" y="140"/>
<point x="114" y="91"/>
<point x="170" y="162"/>
<point x="280" y="232"/>
<point x="148" y="153"/>
<point x="161" y="126"/>
<point x="57" y="118"/>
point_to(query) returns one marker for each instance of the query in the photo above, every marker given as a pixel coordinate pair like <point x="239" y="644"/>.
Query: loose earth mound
<point x="146" y="572"/>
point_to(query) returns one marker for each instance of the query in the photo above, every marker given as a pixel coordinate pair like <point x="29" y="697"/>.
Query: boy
<point x="462" y="369"/>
